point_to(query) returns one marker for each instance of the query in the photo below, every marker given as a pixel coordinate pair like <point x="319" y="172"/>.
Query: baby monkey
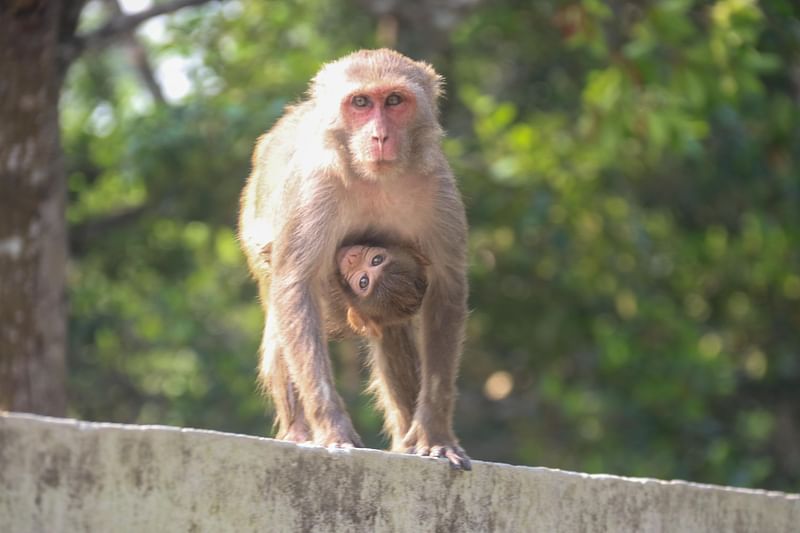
<point x="382" y="286"/>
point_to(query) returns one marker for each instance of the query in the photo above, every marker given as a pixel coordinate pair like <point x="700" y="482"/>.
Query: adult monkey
<point x="361" y="155"/>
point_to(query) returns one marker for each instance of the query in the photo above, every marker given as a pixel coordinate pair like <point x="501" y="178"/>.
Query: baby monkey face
<point x="362" y="267"/>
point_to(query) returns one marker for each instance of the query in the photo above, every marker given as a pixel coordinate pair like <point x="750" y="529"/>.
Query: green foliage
<point x="631" y="175"/>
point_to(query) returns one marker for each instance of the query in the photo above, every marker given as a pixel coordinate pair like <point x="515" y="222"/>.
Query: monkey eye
<point x="393" y="99"/>
<point x="360" y="101"/>
<point x="363" y="282"/>
<point x="377" y="260"/>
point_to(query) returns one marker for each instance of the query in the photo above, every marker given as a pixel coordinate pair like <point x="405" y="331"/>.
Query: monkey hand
<point x="429" y="444"/>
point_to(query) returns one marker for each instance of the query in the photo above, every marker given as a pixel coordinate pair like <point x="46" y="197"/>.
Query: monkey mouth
<point x="382" y="154"/>
<point x="382" y="159"/>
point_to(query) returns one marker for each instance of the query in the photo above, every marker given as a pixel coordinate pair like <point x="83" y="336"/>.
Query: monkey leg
<point x="394" y="363"/>
<point x="443" y="316"/>
<point x="290" y="419"/>
<point x="304" y="350"/>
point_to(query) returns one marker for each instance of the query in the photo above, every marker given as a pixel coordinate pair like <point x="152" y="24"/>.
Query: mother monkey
<point x="361" y="156"/>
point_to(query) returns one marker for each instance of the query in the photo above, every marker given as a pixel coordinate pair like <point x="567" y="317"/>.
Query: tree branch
<point x="121" y="25"/>
<point x="81" y="235"/>
<point x="138" y="55"/>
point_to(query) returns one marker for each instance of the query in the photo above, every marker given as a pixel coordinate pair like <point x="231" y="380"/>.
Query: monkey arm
<point x="299" y="270"/>
<point x="300" y="329"/>
<point x="444" y="314"/>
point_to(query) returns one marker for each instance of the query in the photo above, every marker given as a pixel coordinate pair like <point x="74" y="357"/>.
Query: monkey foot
<point x="438" y="445"/>
<point x="340" y="444"/>
<point x="342" y="436"/>
<point x="298" y="434"/>
<point x="454" y="454"/>
<point x="304" y="438"/>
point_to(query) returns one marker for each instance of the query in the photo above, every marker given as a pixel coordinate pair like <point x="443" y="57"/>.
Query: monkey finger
<point x="458" y="459"/>
<point x="340" y="446"/>
<point x="423" y="451"/>
<point x="438" y="452"/>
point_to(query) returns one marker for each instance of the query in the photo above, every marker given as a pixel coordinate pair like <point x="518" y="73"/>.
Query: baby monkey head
<point x="383" y="285"/>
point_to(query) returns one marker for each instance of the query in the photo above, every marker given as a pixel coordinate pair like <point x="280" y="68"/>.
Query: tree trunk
<point x="32" y="202"/>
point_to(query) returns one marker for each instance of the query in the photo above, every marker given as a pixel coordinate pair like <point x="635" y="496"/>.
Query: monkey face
<point x="379" y="119"/>
<point x="362" y="267"/>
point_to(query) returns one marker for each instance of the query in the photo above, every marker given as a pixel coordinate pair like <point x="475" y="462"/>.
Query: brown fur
<point x="316" y="181"/>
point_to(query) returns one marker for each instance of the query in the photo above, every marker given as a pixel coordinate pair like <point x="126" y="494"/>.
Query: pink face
<point x="378" y="119"/>
<point x="361" y="267"/>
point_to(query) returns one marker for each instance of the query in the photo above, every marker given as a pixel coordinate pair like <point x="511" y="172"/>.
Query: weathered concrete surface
<point x="62" y="475"/>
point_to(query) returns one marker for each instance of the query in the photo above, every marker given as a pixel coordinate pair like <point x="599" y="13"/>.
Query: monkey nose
<point x="380" y="139"/>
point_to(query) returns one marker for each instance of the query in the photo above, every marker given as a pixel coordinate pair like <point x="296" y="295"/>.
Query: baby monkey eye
<point x="360" y="101"/>
<point x="363" y="282"/>
<point x="377" y="260"/>
<point x="393" y="99"/>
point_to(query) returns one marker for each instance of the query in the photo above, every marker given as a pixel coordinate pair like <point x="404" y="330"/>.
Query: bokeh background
<point x="630" y="170"/>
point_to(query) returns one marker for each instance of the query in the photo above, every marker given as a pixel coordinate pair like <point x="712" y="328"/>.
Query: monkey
<point x="382" y="286"/>
<point x="360" y="154"/>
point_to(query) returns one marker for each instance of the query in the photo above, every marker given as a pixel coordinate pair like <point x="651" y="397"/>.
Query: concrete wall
<point x="62" y="475"/>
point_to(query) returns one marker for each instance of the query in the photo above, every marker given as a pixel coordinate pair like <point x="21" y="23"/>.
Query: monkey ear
<point x="435" y="82"/>
<point x="438" y="86"/>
